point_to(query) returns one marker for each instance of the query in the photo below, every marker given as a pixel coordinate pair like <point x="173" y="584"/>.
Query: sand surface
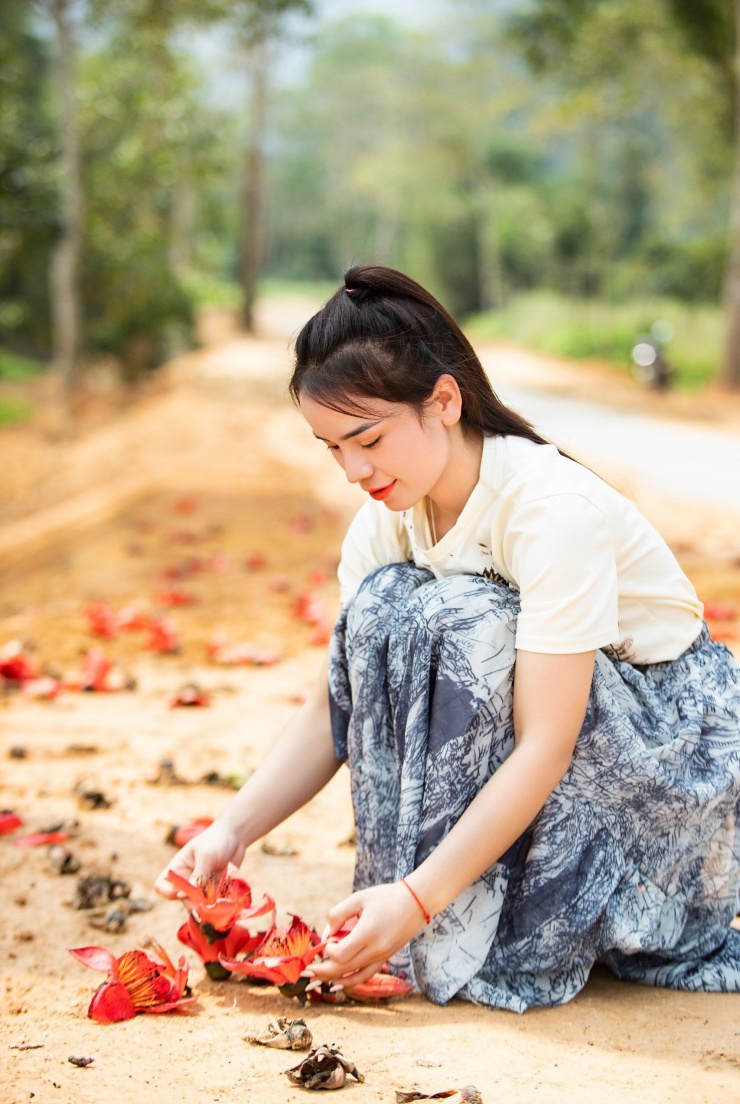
<point x="213" y="467"/>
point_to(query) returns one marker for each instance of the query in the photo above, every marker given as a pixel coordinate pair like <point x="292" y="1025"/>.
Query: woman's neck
<point x="448" y="497"/>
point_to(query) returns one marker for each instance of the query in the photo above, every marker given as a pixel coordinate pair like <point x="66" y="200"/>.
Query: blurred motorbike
<point x="649" y="363"/>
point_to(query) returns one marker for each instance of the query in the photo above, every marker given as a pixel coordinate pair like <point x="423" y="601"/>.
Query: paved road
<point x="679" y="460"/>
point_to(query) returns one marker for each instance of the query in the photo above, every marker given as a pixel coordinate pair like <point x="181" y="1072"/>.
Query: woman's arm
<point x="297" y="766"/>
<point x="550" y="698"/>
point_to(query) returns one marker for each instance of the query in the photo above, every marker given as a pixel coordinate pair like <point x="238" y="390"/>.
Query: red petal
<point x="192" y="892"/>
<point x="9" y="822"/>
<point x="379" y="987"/>
<point x="97" y="958"/>
<point x="173" y="1005"/>
<point x="111" y="1003"/>
<point x="38" y="839"/>
<point x="715" y="611"/>
<point x="185" y="832"/>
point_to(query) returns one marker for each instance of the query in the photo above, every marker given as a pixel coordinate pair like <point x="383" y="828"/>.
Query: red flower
<point x="44" y="687"/>
<point x="238" y="941"/>
<point x="180" y="834"/>
<point x="716" y="611"/>
<point x="190" y="695"/>
<point x="243" y="654"/>
<point x="102" y="620"/>
<point x="217" y="906"/>
<point x="16" y="664"/>
<point x="174" y="598"/>
<point x="163" y="637"/>
<point x="283" y="956"/>
<point x="39" y="839"/>
<point x="9" y="822"/>
<point x="379" y="987"/>
<point x="137" y="982"/>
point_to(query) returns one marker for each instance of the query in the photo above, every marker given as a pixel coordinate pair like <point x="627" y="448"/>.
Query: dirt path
<point x="213" y="470"/>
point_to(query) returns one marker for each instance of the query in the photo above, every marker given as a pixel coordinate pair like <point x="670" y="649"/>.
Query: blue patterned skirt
<point x="634" y="861"/>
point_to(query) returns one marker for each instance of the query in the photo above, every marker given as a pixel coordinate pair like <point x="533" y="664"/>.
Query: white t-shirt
<point x="591" y="570"/>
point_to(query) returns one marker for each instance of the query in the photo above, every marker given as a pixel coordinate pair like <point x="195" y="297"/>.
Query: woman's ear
<point x="446" y="400"/>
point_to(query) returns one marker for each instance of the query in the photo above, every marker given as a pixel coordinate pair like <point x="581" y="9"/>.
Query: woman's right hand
<point x="203" y="857"/>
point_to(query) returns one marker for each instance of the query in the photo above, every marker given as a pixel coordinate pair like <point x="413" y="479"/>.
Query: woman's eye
<point x="333" y="448"/>
<point x="372" y="444"/>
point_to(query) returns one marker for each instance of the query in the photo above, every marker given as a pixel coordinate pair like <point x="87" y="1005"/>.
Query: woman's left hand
<point x="387" y="918"/>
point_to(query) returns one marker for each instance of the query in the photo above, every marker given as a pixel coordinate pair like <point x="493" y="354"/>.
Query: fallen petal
<point x="38" y="839"/>
<point x="9" y="822"/>
<point x="380" y="987"/>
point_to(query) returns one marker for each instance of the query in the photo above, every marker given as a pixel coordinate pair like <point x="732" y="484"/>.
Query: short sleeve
<point x="561" y="553"/>
<point x="376" y="537"/>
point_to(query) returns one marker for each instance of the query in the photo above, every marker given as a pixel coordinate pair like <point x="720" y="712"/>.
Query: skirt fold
<point x="634" y="860"/>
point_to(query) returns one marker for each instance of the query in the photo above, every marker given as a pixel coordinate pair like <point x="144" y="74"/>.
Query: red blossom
<point x="136" y="982"/>
<point x="45" y="687"/>
<point x="102" y="620"/>
<point x="283" y="956"/>
<point x="180" y="834"/>
<point x="174" y="597"/>
<point x="244" y="654"/>
<point x="255" y="561"/>
<point x="163" y="637"/>
<point x="190" y="695"/>
<point x="379" y="987"/>
<point x="218" y="905"/>
<point x="9" y="822"/>
<point x="716" y="611"/>
<point x="238" y="941"/>
<point x="38" y="839"/>
<point x="16" y="664"/>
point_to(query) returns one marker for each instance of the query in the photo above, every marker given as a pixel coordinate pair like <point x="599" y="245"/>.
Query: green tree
<point x="709" y="30"/>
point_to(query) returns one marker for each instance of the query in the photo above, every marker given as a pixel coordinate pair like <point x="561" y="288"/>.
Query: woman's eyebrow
<point x="353" y="432"/>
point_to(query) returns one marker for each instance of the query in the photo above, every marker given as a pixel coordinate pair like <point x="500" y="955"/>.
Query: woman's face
<point x="395" y="454"/>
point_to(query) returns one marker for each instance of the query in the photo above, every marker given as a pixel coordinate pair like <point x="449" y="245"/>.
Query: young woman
<point x="543" y="740"/>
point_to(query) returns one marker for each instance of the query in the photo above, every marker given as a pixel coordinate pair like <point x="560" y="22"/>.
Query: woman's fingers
<point x="358" y="976"/>
<point x="341" y="913"/>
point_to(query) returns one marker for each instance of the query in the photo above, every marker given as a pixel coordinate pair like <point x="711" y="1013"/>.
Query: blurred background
<point x="558" y="172"/>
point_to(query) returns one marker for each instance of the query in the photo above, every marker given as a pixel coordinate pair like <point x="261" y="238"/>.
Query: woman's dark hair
<point x="382" y="336"/>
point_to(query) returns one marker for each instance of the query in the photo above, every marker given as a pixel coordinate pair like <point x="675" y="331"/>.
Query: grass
<point x="206" y="290"/>
<point x="581" y="329"/>
<point x="13" y="411"/>
<point x="18" y="368"/>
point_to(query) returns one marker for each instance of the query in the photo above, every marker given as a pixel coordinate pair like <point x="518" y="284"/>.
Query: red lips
<point x="382" y="492"/>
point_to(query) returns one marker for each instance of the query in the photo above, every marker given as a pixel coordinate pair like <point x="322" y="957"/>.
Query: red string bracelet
<point x="427" y="917"/>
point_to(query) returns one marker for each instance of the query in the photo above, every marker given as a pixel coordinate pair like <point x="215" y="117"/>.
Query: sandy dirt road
<point x="212" y="470"/>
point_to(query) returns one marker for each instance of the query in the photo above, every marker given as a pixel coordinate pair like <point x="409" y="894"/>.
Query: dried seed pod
<point x="324" y="1068"/>
<point x="285" y="1034"/>
<point x="94" y="890"/>
<point x="468" y="1095"/>
<point x="113" y="920"/>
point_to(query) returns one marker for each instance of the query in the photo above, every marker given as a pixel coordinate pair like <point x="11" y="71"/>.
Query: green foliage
<point x="13" y="411"/>
<point x="18" y="368"/>
<point x="583" y="329"/>
<point x="27" y="182"/>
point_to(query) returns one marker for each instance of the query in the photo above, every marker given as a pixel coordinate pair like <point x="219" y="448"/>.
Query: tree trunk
<point x="731" y="369"/>
<point x="64" y="274"/>
<point x="490" y="273"/>
<point x="253" y="194"/>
